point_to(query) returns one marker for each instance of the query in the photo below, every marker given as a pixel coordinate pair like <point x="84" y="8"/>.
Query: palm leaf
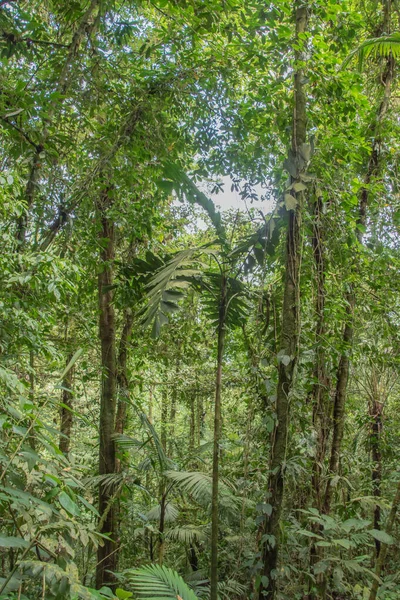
<point x="155" y="582"/>
<point x="199" y="486"/>
<point x="164" y="288"/>
<point x="186" y="534"/>
<point x="182" y="184"/>
<point x="171" y="513"/>
<point x="383" y="46"/>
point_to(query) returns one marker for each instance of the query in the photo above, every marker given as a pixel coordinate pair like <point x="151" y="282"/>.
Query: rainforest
<point x="199" y="300"/>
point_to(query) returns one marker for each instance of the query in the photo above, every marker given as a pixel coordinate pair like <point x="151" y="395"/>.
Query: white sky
<point x="231" y="199"/>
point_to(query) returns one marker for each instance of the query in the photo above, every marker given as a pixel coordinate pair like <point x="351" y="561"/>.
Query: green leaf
<point x="68" y="504"/>
<point x="381" y="536"/>
<point x="71" y="363"/>
<point x="290" y="202"/>
<point x="155" y="582"/>
<point x="344" y="543"/>
<point x="122" y="594"/>
<point x="13" y="542"/>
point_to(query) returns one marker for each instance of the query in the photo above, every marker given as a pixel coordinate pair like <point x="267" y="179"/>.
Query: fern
<point x="155" y="582"/>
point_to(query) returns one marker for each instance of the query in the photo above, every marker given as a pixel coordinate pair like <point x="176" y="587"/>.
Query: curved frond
<point x="199" y="486"/>
<point x="155" y="582"/>
<point x="384" y="46"/>
<point x="165" y="287"/>
<point x="186" y="534"/>
<point x="171" y="513"/>
<point x="182" y="184"/>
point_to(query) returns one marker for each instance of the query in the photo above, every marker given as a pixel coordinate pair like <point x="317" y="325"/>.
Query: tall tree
<point x="287" y="355"/>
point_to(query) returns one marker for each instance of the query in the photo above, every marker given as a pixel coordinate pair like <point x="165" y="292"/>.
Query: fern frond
<point x="155" y="582"/>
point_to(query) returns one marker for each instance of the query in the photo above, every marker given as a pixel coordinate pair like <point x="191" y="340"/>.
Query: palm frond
<point x="171" y="513"/>
<point x="164" y="290"/>
<point x="199" y="486"/>
<point x="155" y="582"/>
<point x="383" y="46"/>
<point x="183" y="185"/>
<point x="186" y="534"/>
<point x="163" y="459"/>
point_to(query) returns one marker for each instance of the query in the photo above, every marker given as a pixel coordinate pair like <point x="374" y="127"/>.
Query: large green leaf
<point x="155" y="582"/>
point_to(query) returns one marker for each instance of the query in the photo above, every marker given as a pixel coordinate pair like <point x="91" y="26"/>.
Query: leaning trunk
<point x="106" y="555"/>
<point x="288" y="341"/>
<point x="217" y="436"/>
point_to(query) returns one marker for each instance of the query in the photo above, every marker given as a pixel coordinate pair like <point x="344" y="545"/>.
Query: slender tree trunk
<point x="164" y="417"/>
<point x="66" y="415"/>
<point x="288" y="342"/>
<point x="200" y="417"/>
<point x="161" y="527"/>
<point x="380" y="563"/>
<point x="172" y="415"/>
<point x="375" y="411"/>
<point x="217" y="437"/>
<point x="122" y="373"/>
<point x="192" y="431"/>
<point x="107" y="558"/>
<point x="320" y="392"/>
<point x="32" y="437"/>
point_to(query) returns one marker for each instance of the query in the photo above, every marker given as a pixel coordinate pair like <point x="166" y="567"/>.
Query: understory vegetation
<point x="198" y="401"/>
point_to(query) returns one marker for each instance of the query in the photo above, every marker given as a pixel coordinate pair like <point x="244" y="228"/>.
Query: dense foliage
<point x="194" y="403"/>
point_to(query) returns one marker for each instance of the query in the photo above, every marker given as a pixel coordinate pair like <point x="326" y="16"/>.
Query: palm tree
<point x="223" y="294"/>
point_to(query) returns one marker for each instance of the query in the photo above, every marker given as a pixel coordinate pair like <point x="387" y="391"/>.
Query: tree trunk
<point x="320" y="391"/>
<point x="164" y="418"/>
<point x="217" y="437"/>
<point x="106" y="555"/>
<point x="122" y="373"/>
<point x="66" y="415"/>
<point x="376" y="455"/>
<point x="172" y="415"/>
<point x="288" y="342"/>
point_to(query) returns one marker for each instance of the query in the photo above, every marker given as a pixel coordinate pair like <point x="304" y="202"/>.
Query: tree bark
<point x="288" y="342"/>
<point x="122" y="373"/>
<point x="217" y="437"/>
<point x="106" y="557"/>
<point x="66" y="415"/>
<point x="376" y="409"/>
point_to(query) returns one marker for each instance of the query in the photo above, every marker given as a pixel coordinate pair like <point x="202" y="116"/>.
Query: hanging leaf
<point x="381" y="536"/>
<point x="68" y="504"/>
<point x="290" y="202"/>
